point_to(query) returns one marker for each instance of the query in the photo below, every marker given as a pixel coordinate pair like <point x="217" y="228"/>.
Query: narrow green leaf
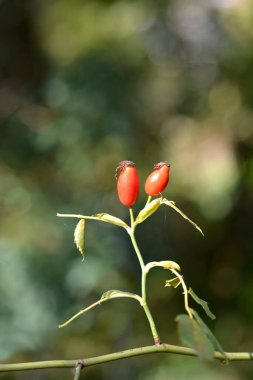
<point x="148" y="210"/>
<point x="79" y="236"/>
<point x="174" y="282"/>
<point x="209" y="333"/>
<point x="201" y="302"/>
<point x="192" y="335"/>
<point x="163" y="264"/>
<point x="173" y="205"/>
<point x="104" y="217"/>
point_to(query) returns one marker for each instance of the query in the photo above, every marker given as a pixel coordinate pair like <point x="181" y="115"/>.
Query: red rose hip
<point x="128" y="183"/>
<point x="158" y="179"/>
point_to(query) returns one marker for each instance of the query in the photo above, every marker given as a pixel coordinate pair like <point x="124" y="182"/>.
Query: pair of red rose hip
<point x="128" y="181"/>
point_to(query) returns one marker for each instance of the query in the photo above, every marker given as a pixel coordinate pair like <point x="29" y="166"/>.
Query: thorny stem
<point x="143" y="281"/>
<point x="186" y="303"/>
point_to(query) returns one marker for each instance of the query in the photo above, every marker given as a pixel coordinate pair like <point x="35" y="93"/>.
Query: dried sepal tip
<point x="79" y="236"/>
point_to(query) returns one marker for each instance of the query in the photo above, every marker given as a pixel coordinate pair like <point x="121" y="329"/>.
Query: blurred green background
<point x="84" y="85"/>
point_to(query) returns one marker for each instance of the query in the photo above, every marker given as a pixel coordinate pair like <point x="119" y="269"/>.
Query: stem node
<point x="158" y="341"/>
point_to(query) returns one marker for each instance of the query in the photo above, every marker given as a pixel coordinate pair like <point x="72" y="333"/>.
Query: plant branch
<point x="148" y="200"/>
<point x="163" y="348"/>
<point x="137" y="251"/>
<point x="79" y="216"/>
<point x="186" y="303"/>
<point x="143" y="281"/>
<point x="79" y="366"/>
<point x="131" y="217"/>
<point x="80" y="313"/>
<point x="105" y="297"/>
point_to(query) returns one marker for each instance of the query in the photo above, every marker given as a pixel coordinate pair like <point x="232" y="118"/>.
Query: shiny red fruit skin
<point x="128" y="184"/>
<point x="158" y="179"/>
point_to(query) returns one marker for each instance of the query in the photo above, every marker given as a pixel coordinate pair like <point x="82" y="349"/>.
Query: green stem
<point x="148" y="200"/>
<point x="137" y="251"/>
<point x="186" y="302"/>
<point x="143" y="281"/>
<point x="79" y="367"/>
<point x="80" y="313"/>
<point x="162" y="348"/>
<point x="132" y="219"/>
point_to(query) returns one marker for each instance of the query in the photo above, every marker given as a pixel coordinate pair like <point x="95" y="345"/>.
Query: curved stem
<point x="136" y="248"/>
<point x="143" y="281"/>
<point x="81" y="312"/>
<point x="162" y="348"/>
<point x="186" y="303"/>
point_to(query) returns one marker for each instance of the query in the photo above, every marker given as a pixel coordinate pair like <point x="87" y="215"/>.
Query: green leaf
<point x="79" y="236"/>
<point x="163" y="264"/>
<point x="174" y="282"/>
<point x="201" y="302"/>
<point x="209" y="333"/>
<point x="173" y="205"/>
<point x="119" y="294"/>
<point x="148" y="210"/>
<point x="192" y="335"/>
<point x="104" y="217"/>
